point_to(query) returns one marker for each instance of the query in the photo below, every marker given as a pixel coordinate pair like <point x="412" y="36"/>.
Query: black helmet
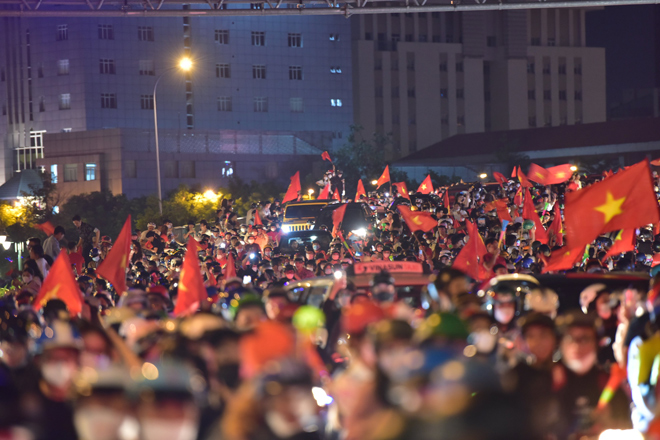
<point x="383" y="277"/>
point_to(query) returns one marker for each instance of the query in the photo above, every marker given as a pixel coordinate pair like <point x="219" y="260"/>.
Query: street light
<point x="374" y="182"/>
<point x="309" y="193"/>
<point x="573" y="168"/>
<point x="483" y="175"/>
<point x="185" y="64"/>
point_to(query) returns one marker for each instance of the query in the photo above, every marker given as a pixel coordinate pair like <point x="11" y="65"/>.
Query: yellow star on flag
<point x="611" y="208"/>
<point x="539" y="175"/>
<point x="416" y="220"/>
<point x="51" y="294"/>
<point x="560" y="175"/>
<point x="424" y="186"/>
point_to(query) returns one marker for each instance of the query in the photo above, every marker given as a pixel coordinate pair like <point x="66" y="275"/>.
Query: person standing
<point x="52" y="243"/>
<point x="89" y="237"/>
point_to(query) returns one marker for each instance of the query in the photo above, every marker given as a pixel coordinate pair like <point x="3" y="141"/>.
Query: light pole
<point x="185" y="64"/>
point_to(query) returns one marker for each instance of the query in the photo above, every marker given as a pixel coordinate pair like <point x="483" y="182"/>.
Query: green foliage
<point x="362" y="158"/>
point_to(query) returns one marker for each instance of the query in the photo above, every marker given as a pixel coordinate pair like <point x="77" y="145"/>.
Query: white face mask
<point x="27" y="279"/>
<point x="582" y="366"/>
<point x="58" y="374"/>
<point x="164" y="429"/>
<point x="97" y="423"/>
<point x="504" y="316"/>
<point x="484" y="341"/>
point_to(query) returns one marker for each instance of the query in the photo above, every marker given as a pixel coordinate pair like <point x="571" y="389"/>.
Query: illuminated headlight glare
<point x="620" y="434"/>
<point x="321" y="397"/>
<point x="286" y="229"/>
<point x="313" y="237"/>
<point x="338" y="274"/>
<point x="360" y="232"/>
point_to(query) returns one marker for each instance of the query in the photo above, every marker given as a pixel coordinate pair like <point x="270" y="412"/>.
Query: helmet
<point x="383" y="277"/>
<point x="528" y="225"/>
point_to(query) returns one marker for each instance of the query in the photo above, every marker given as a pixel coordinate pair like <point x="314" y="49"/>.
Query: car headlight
<point x="286" y="229"/>
<point x="360" y="232"/>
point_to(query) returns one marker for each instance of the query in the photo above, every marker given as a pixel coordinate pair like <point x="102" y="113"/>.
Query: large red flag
<point x="337" y="218"/>
<point x="325" y="193"/>
<point x="563" y="259"/>
<point x="502" y="207"/>
<point x="417" y="220"/>
<point x="294" y="188"/>
<point x="60" y="284"/>
<point x="360" y="190"/>
<point x="46" y="227"/>
<point x="560" y="174"/>
<point x="445" y="199"/>
<point x="469" y="259"/>
<point x="499" y="177"/>
<point x="524" y="181"/>
<point x="326" y="156"/>
<point x="403" y="189"/>
<point x="191" y="290"/>
<point x="113" y="268"/>
<point x="257" y="218"/>
<point x="624" y="242"/>
<point x="426" y="187"/>
<point x="514" y="173"/>
<point x="556" y="227"/>
<point x="384" y="178"/>
<point x="529" y="213"/>
<point x="230" y="268"/>
<point x="623" y="201"/>
<point x="655" y="163"/>
<point x="538" y="174"/>
<point x="473" y="232"/>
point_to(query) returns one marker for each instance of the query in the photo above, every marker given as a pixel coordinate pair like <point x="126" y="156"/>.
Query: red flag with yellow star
<point x="502" y="207"/>
<point x="563" y="259"/>
<point x="113" y="268"/>
<point x="469" y="258"/>
<point x="538" y="174"/>
<point x="529" y="213"/>
<point x="60" y="284"/>
<point x="556" y="228"/>
<point x="403" y="189"/>
<point x="623" y="201"/>
<point x="46" y="227"/>
<point x="360" y="191"/>
<point x="524" y="181"/>
<point x="384" y="178"/>
<point x="338" y="218"/>
<point x="559" y="174"/>
<point x="499" y="178"/>
<point x="294" y="188"/>
<point x="445" y="200"/>
<point x="624" y="242"/>
<point x="257" y="218"/>
<point x="191" y="290"/>
<point x="325" y="193"/>
<point x="426" y="187"/>
<point x="230" y="267"/>
<point x="417" y="220"/>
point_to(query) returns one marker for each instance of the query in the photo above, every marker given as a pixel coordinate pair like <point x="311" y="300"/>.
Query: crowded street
<point x="513" y="307"/>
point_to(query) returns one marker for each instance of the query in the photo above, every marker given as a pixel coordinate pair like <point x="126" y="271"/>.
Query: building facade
<point x="425" y="77"/>
<point x="249" y="76"/>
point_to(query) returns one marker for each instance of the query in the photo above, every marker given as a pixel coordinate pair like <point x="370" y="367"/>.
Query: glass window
<point x="130" y="169"/>
<point x="187" y="169"/>
<point x="222" y="36"/>
<point x="258" y="71"/>
<point x="63" y="67"/>
<point x="53" y="173"/>
<point x="296" y="105"/>
<point x="228" y="169"/>
<point x="108" y="100"/>
<point x="223" y="71"/>
<point x="295" y="40"/>
<point x="145" y="33"/>
<point x="106" y="66"/>
<point x="90" y="171"/>
<point x="106" y="32"/>
<point x="62" y="32"/>
<point x="258" y="38"/>
<point x="261" y="105"/>
<point x="224" y="104"/>
<point x="71" y="172"/>
<point x="170" y="169"/>
<point x="65" y="101"/>
<point x="336" y="102"/>
<point x="295" y="73"/>
<point x="147" y="67"/>
<point x="147" y="102"/>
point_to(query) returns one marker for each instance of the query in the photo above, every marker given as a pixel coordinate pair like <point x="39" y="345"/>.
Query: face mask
<point x="229" y="375"/>
<point x="164" y="429"/>
<point x="58" y="374"/>
<point x="98" y="423"/>
<point x="504" y="316"/>
<point x="484" y="341"/>
<point x="289" y="276"/>
<point x="27" y="279"/>
<point x="316" y="247"/>
<point x="281" y="426"/>
<point x="582" y="366"/>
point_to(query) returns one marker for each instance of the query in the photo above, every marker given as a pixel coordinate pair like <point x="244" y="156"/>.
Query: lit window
<point x="336" y="102"/>
<point x="147" y="67"/>
<point x="90" y="171"/>
<point x="106" y="32"/>
<point x="71" y="172"/>
<point x="334" y="37"/>
<point x="65" y="101"/>
<point x="66" y="130"/>
<point x="53" y="173"/>
<point x="145" y="33"/>
<point x="228" y="169"/>
<point x="63" y="67"/>
<point x="130" y="169"/>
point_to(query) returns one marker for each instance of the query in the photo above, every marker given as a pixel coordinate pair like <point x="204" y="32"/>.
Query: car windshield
<point x="302" y="211"/>
<point x="303" y="240"/>
<point x="354" y="218"/>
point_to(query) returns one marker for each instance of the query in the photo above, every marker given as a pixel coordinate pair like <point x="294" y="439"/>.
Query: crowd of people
<point x="469" y="359"/>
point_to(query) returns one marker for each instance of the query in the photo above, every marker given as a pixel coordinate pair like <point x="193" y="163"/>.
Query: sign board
<point x="375" y="267"/>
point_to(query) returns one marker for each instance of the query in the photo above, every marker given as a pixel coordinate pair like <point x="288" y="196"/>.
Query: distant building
<point x="426" y="77"/>
<point x="254" y="77"/>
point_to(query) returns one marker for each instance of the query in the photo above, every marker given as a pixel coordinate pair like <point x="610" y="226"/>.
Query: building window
<point x="578" y="95"/>
<point x="443" y="92"/>
<point x="423" y="38"/>
<point x="63" y="67"/>
<point x="562" y="95"/>
<point x="546" y="69"/>
<point x="53" y="173"/>
<point x="577" y="70"/>
<point x="90" y="171"/>
<point x="395" y="92"/>
<point x="410" y="38"/>
<point x="71" y="172"/>
<point x="411" y="92"/>
<point x="532" y="121"/>
<point x="66" y="130"/>
<point x="295" y="40"/>
<point x="40" y="71"/>
<point x="130" y="169"/>
<point x="106" y="32"/>
<point x="65" y="101"/>
<point x="460" y="121"/>
<point x="296" y="105"/>
<point x="222" y="36"/>
<point x="228" y="169"/>
<point x="258" y="38"/>
<point x="551" y="41"/>
<point x="396" y="38"/>
<point x="187" y="169"/>
<point x="295" y="73"/>
<point x="379" y="92"/>
<point x="334" y="37"/>
<point x="106" y="66"/>
<point x="335" y="69"/>
<point x="336" y="102"/>
<point x="436" y="39"/>
<point x="491" y="41"/>
<point x="170" y="169"/>
<point x="411" y="65"/>
<point x="62" y="32"/>
<point x="530" y="68"/>
<point x="531" y="94"/>
<point x="562" y="69"/>
<point x="145" y="33"/>
<point x="258" y="71"/>
<point x="450" y="38"/>
<point x="444" y="120"/>
<point x="261" y="105"/>
<point x="224" y="104"/>
<point x="108" y="100"/>
<point x="222" y="71"/>
<point x="547" y="95"/>
<point x="460" y="93"/>
<point x="443" y="67"/>
<point x="42" y="104"/>
<point x="459" y="67"/>
<point x="147" y="67"/>
<point x="536" y="41"/>
<point x="147" y="102"/>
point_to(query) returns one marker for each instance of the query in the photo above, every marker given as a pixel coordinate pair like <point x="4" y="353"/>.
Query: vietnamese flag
<point x="294" y="188"/>
<point x="191" y="290"/>
<point x="538" y="174"/>
<point x="46" y="227"/>
<point x="230" y="268"/>
<point x="417" y="220"/>
<point x="384" y="178"/>
<point x="655" y="163"/>
<point x="473" y="232"/>
<point x="623" y="201"/>
<point x="624" y="242"/>
<point x="325" y="193"/>
<point x="502" y="208"/>
<point x="556" y="227"/>
<point x="445" y="199"/>
<point x="469" y="259"/>
<point x="113" y="268"/>
<point x="60" y="284"/>
<point x="524" y="181"/>
<point x="338" y="218"/>
<point x="499" y="177"/>
<point x="563" y="259"/>
<point x="529" y="213"/>
<point x="559" y="174"/>
<point x="257" y="218"/>
<point x="403" y="189"/>
<point x="518" y="197"/>
<point x="326" y="156"/>
<point x="426" y="187"/>
<point x="514" y="173"/>
<point x="360" y="191"/>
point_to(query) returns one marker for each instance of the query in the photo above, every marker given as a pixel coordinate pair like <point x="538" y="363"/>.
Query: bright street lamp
<point x="185" y="64"/>
<point x="574" y="168"/>
<point x="374" y="182"/>
<point x="483" y="175"/>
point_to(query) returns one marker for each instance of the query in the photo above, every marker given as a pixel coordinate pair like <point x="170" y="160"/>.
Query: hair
<point x="203" y="222"/>
<point x="491" y="241"/>
<point x="71" y="245"/>
<point x="38" y="250"/>
<point x="59" y="230"/>
<point x="76" y="218"/>
<point x="36" y="240"/>
<point x="28" y="270"/>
